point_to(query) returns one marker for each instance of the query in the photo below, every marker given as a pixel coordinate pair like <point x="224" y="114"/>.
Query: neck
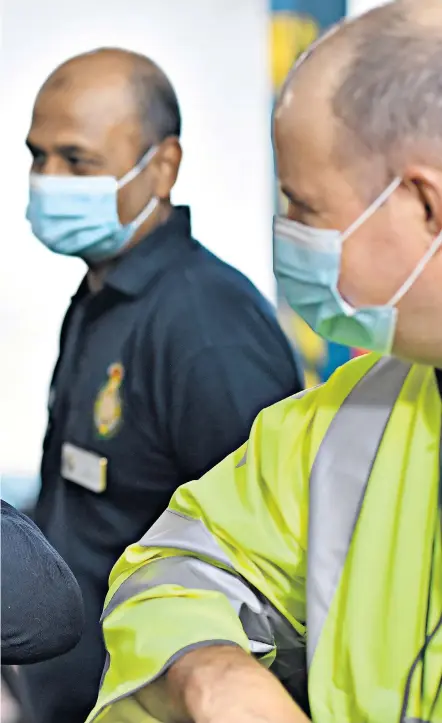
<point x="97" y="274"/>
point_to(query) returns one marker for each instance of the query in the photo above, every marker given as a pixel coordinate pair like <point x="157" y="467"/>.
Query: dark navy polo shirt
<point x="161" y="374"/>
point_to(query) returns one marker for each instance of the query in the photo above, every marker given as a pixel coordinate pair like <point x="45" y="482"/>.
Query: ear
<point x="426" y="185"/>
<point x="167" y="161"/>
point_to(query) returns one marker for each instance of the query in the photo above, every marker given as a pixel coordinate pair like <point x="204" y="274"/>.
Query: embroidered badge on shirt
<point x="108" y="406"/>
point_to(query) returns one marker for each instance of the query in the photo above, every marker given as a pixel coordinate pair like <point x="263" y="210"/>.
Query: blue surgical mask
<point x="78" y="215"/>
<point x="307" y="263"/>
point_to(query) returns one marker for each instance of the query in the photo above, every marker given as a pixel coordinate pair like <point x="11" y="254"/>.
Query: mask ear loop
<point x="417" y="271"/>
<point x="384" y="196"/>
<point x="133" y="173"/>
<point x="136" y="170"/>
<point x="150" y="208"/>
<point x="368" y="213"/>
<point x="406" y="286"/>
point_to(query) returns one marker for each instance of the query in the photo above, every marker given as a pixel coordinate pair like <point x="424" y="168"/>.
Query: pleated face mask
<point x="307" y="263"/>
<point x="78" y="215"/>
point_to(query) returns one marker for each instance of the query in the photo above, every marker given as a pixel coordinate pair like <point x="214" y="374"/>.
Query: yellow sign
<point x="291" y="35"/>
<point x="108" y="406"/>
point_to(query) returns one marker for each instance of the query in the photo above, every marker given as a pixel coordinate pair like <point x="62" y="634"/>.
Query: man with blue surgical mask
<point x="166" y="353"/>
<point x="329" y="573"/>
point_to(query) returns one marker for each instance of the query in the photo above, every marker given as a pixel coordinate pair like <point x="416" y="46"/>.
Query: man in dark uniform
<point x="167" y="354"/>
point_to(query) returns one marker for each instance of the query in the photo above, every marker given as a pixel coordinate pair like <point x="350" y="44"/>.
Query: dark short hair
<point x="389" y="99"/>
<point x="154" y="97"/>
<point x="156" y="103"/>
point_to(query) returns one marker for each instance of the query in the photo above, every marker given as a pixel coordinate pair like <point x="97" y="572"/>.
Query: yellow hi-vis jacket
<point x="316" y="546"/>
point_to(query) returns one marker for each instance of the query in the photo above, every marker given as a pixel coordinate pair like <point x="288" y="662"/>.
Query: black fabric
<point x="41" y="604"/>
<point x="439" y="380"/>
<point x="202" y="354"/>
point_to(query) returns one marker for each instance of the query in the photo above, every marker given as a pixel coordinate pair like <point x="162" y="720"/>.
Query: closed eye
<point x="298" y="202"/>
<point x="73" y="157"/>
<point x="35" y="151"/>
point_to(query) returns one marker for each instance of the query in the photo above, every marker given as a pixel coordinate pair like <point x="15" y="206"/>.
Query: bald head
<point x="127" y="81"/>
<point x="99" y="114"/>
<point x="379" y="77"/>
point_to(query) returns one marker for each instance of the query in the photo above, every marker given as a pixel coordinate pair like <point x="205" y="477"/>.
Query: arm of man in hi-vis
<point x="216" y="584"/>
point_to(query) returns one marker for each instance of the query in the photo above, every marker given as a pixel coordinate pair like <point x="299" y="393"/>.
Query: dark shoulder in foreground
<point x="41" y="603"/>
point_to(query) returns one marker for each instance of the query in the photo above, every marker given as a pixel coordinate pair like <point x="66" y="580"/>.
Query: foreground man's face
<point x="324" y="193"/>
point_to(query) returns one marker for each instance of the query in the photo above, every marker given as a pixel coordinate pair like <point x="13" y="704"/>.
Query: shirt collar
<point x="152" y="255"/>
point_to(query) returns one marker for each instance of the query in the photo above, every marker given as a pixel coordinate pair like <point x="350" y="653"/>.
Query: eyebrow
<point x="297" y="201"/>
<point x="63" y="149"/>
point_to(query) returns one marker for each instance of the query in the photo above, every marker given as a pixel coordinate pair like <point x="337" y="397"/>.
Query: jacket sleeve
<point x="41" y="606"/>
<point x="225" y="564"/>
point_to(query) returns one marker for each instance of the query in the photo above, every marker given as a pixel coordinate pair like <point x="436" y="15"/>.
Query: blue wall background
<point x="325" y="12"/>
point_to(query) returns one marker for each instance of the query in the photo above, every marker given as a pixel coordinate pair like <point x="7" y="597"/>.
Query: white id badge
<point x="86" y="469"/>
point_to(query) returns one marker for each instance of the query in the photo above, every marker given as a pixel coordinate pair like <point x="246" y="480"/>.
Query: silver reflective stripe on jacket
<point x="338" y="483"/>
<point x="264" y="626"/>
<point x="194" y="574"/>
<point x="178" y="532"/>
